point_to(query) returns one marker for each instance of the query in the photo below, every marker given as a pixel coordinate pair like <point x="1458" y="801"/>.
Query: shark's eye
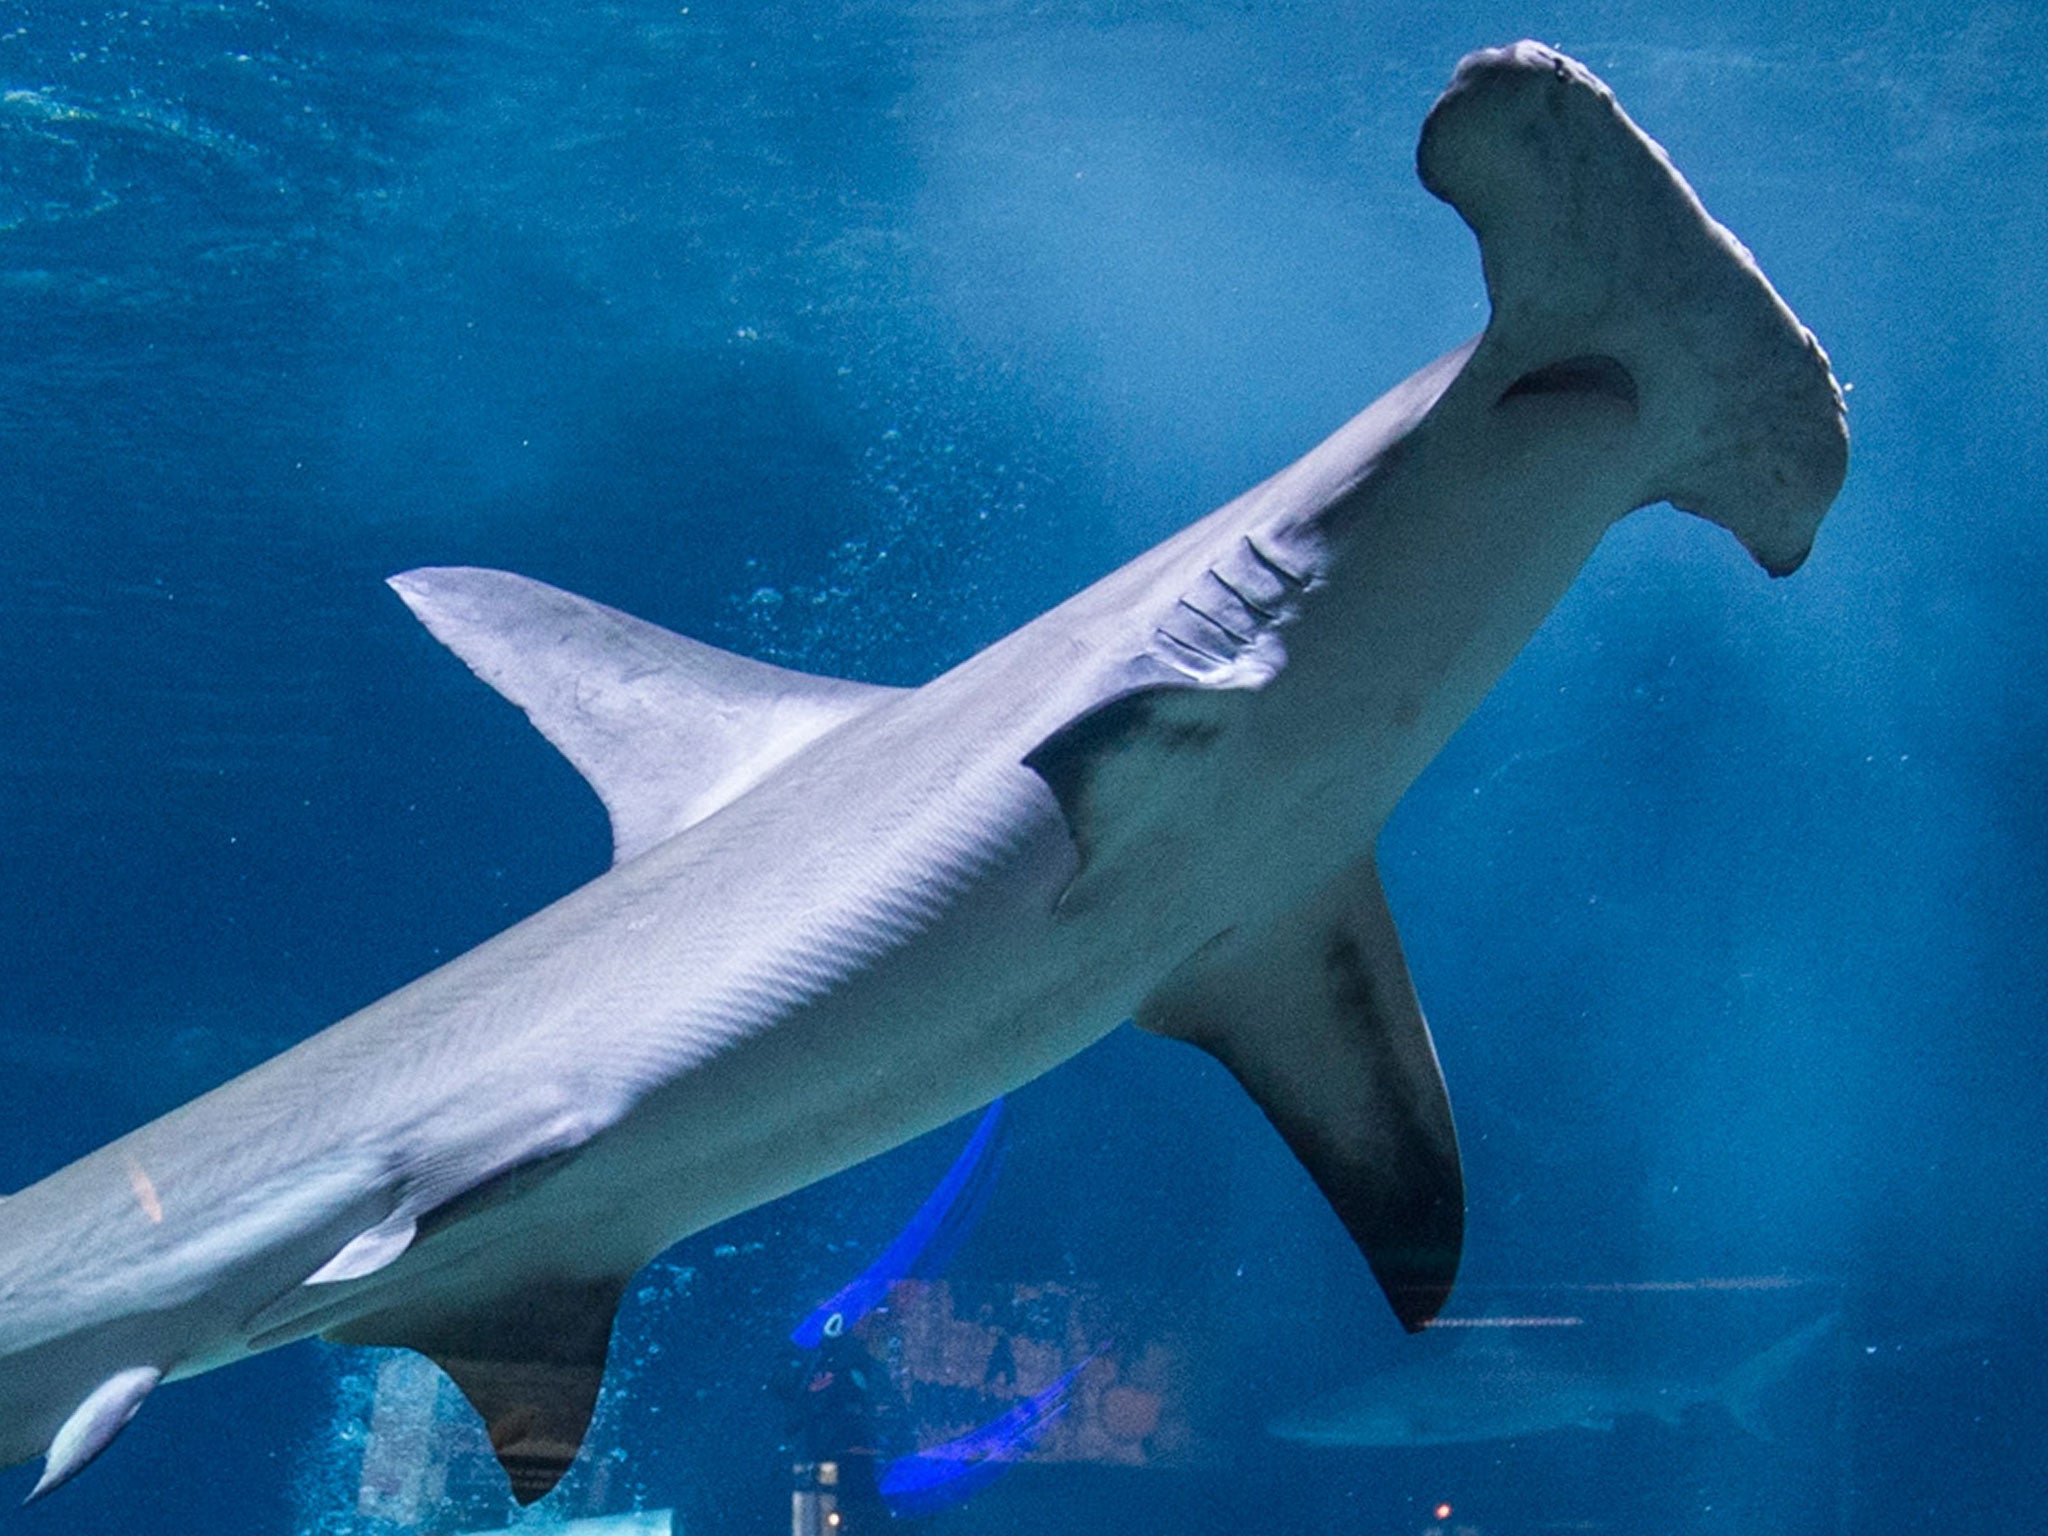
<point x="1595" y="373"/>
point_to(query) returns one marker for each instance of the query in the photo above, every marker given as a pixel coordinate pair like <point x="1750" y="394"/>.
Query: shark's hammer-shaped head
<point x="1607" y="277"/>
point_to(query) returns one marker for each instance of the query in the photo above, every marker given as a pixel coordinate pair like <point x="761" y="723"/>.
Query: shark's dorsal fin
<point x="666" y="729"/>
<point x="1315" y="1015"/>
<point x="530" y="1364"/>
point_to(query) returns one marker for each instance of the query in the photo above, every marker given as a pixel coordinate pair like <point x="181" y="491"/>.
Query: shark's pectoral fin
<point x="1124" y="769"/>
<point x="1316" y="1017"/>
<point x="530" y="1364"/>
<point x="1116" y="767"/>
<point x="666" y="729"/>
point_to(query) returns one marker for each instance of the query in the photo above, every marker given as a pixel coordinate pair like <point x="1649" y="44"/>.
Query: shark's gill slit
<point x="1594" y="373"/>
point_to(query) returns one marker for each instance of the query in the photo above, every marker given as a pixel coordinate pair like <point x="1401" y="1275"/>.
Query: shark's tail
<point x="1746" y="1389"/>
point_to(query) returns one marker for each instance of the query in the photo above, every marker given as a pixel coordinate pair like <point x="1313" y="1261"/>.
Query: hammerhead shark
<point x="842" y="915"/>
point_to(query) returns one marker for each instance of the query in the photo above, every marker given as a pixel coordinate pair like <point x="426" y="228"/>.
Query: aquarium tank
<point x="851" y="338"/>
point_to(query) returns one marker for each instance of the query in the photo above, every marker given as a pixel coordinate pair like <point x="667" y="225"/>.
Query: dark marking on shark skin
<point x="521" y="1179"/>
<point x="1594" y="374"/>
<point x="1067" y="758"/>
<point x="1395" y="1192"/>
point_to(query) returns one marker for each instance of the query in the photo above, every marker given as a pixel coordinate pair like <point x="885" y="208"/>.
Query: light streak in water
<point x="922" y="1247"/>
<point x="954" y="1472"/>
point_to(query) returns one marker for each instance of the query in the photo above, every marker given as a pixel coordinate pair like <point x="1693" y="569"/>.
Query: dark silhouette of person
<point x="1002" y="1365"/>
<point x="830" y="1396"/>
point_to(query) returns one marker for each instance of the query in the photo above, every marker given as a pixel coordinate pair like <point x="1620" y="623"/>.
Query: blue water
<point x="853" y="338"/>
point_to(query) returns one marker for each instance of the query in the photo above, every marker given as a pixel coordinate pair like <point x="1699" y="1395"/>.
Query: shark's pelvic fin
<point x="93" y="1425"/>
<point x="368" y="1251"/>
<point x="666" y="729"/>
<point x="530" y="1363"/>
<point x="1316" y="1017"/>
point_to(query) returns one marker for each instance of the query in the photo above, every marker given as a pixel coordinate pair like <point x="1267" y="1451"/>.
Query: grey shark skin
<point x="840" y="916"/>
<point x="1491" y="1390"/>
